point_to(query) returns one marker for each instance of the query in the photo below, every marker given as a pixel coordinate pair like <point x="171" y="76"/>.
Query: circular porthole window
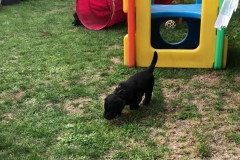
<point x="173" y="32"/>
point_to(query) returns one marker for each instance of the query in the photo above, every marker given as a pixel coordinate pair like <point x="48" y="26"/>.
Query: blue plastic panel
<point x="184" y="11"/>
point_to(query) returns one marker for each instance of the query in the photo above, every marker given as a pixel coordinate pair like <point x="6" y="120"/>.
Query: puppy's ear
<point x="119" y="103"/>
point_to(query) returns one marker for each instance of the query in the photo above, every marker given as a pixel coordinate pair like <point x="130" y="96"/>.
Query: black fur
<point x="76" y="21"/>
<point x="130" y="92"/>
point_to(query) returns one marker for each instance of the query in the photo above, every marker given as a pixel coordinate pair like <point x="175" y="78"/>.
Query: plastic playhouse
<point x="199" y="49"/>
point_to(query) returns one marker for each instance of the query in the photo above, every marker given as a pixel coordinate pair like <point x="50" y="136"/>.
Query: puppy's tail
<point x="154" y="61"/>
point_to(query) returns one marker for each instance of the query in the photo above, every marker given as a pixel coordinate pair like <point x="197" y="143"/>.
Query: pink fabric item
<point x="163" y="1"/>
<point x="98" y="14"/>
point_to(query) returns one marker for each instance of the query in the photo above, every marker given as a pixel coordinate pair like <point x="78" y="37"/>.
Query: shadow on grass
<point x="233" y="59"/>
<point x="118" y="26"/>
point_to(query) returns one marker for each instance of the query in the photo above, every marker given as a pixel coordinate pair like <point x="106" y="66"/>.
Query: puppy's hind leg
<point x="148" y="97"/>
<point x="135" y="101"/>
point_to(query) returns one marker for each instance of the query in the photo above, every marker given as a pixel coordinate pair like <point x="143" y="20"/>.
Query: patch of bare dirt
<point x="211" y="79"/>
<point x="204" y="105"/>
<point x="155" y="134"/>
<point x="111" y="69"/>
<point x="16" y="56"/>
<point x="75" y="29"/>
<point x="65" y="83"/>
<point x="76" y="106"/>
<point x="232" y="99"/>
<point x="51" y="104"/>
<point x="57" y="10"/>
<point x="174" y="89"/>
<point x="91" y="79"/>
<point x="109" y="154"/>
<point x="72" y="109"/>
<point x="88" y="52"/>
<point x="83" y="80"/>
<point x="113" y="47"/>
<point x="181" y="140"/>
<point x="179" y="135"/>
<point x="237" y="81"/>
<point x="8" y="116"/>
<point x="59" y="137"/>
<point x="102" y="96"/>
<point x="116" y="60"/>
<point x="13" y="61"/>
<point x="1" y="42"/>
<point x="81" y="100"/>
<point x="18" y="95"/>
<point x="13" y="49"/>
<point x="126" y="111"/>
<point x="46" y="34"/>
<point x="133" y="143"/>
<point x="3" y="95"/>
<point x="31" y="101"/>
<point x="227" y="128"/>
<point x="221" y="148"/>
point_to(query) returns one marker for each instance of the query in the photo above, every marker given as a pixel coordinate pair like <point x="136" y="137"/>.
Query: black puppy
<point x="131" y="92"/>
<point x="76" y="21"/>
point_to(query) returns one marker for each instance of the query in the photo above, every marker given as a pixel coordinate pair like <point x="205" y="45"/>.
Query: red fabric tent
<point x="98" y="14"/>
<point x="163" y="1"/>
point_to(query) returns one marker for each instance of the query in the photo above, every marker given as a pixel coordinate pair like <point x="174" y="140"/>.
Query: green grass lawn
<point x="54" y="78"/>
